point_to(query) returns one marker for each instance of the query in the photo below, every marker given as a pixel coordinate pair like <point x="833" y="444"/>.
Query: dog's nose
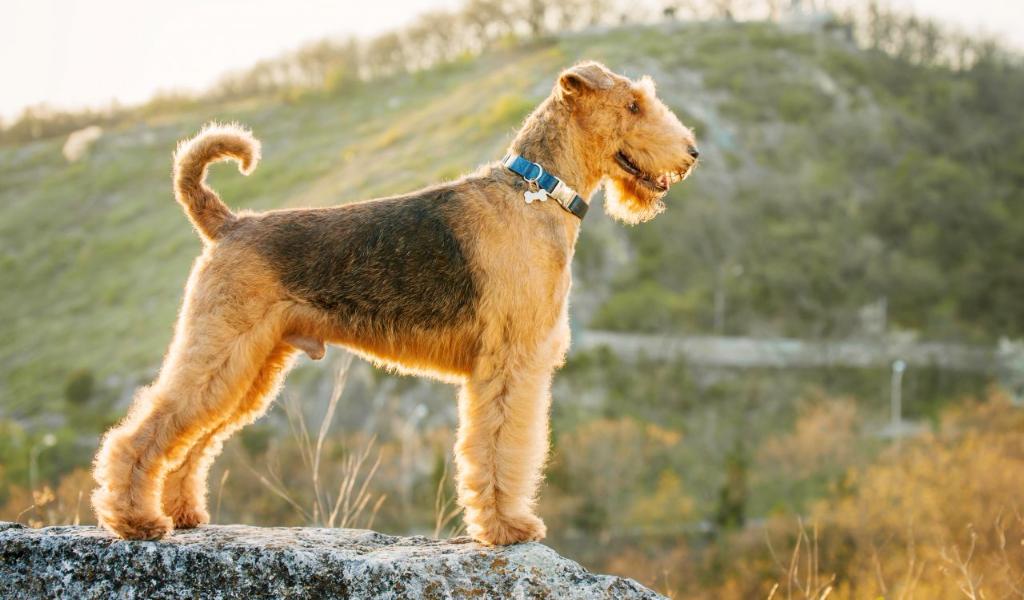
<point x="694" y="152"/>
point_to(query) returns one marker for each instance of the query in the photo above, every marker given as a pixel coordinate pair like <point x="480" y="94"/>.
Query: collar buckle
<point x="563" y="193"/>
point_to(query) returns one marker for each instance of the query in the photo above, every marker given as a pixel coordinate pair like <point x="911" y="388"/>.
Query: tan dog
<point x="464" y="282"/>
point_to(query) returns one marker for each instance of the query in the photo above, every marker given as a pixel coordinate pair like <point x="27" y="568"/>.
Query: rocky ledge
<point x="235" y="561"/>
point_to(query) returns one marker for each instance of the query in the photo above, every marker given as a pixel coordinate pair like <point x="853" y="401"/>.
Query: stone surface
<point x="235" y="561"/>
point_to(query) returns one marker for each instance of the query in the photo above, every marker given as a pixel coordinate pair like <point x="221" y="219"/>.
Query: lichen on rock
<point x="235" y="561"/>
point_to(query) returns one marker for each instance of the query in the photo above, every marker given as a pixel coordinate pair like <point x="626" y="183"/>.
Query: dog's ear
<point x="583" y="78"/>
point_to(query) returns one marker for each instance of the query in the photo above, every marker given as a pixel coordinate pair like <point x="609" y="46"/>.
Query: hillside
<point x="792" y="124"/>
<point x="100" y="249"/>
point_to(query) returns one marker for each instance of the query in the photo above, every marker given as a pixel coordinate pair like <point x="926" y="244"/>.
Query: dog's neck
<point x="552" y="139"/>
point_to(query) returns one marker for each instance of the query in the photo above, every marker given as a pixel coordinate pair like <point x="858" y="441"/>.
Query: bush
<point x="79" y="387"/>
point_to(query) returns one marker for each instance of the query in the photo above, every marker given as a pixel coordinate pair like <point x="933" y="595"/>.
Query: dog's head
<point x="636" y="143"/>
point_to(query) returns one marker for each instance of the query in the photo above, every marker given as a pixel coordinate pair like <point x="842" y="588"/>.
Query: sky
<point x="71" y="53"/>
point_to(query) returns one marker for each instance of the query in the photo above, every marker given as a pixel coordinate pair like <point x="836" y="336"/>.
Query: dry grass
<point x="802" y="576"/>
<point x="963" y="567"/>
<point x="352" y="504"/>
<point x="446" y="510"/>
<point x="67" y="504"/>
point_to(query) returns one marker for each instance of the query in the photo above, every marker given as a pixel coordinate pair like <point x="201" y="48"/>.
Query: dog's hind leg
<point x="502" y="445"/>
<point x="185" y="488"/>
<point x="219" y="349"/>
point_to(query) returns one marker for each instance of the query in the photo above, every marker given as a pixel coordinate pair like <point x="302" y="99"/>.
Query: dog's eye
<point x="634" y="107"/>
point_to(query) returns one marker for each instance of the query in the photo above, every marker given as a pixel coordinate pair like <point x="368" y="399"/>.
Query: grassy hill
<point x="95" y="252"/>
<point x="832" y="177"/>
<point x="840" y="187"/>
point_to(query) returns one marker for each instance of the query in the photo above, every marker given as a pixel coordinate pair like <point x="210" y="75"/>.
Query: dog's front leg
<point x="502" y="445"/>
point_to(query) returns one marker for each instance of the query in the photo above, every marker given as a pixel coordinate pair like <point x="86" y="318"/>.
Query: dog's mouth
<point x="656" y="183"/>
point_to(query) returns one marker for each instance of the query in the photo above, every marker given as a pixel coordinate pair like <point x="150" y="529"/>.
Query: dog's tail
<point x="214" y="143"/>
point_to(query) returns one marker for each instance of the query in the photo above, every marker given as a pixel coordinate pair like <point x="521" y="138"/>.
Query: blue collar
<point x="552" y="186"/>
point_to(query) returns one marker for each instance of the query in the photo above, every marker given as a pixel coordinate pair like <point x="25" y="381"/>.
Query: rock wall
<point x="234" y="561"/>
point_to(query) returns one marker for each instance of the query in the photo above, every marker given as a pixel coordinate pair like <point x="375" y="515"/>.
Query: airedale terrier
<point x="466" y="282"/>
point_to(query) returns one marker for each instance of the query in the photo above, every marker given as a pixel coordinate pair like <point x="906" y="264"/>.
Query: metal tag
<point x="536" y="195"/>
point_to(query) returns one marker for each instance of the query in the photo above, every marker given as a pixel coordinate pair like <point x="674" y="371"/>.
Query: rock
<point x="79" y="142"/>
<point x="235" y="561"/>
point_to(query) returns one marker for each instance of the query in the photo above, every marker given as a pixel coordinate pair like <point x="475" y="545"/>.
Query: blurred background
<point x="804" y="380"/>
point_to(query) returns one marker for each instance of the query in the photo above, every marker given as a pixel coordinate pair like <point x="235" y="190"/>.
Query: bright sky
<point x="86" y="52"/>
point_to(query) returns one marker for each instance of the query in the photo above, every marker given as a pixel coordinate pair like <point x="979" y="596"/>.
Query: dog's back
<point x="385" y="265"/>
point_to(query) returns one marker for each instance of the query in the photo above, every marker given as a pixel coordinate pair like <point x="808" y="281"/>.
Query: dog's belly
<point x="443" y="355"/>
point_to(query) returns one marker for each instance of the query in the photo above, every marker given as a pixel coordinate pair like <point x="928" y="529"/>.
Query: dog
<point x="466" y="282"/>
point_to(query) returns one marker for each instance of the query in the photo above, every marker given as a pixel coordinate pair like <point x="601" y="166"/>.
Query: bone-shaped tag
<point x="537" y="195"/>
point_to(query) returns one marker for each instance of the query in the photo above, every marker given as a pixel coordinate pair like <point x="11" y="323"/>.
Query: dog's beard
<point x="627" y="201"/>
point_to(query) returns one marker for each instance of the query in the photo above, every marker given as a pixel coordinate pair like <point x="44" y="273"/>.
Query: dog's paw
<point x="185" y="510"/>
<point x="188" y="517"/>
<point x="153" y="528"/>
<point x="502" y="531"/>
